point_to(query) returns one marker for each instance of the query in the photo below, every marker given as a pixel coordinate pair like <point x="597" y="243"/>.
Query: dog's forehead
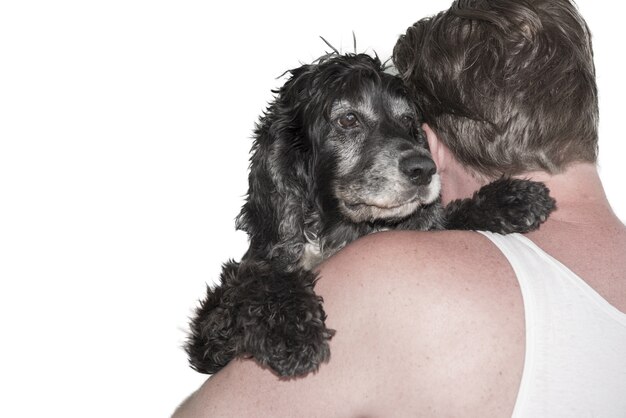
<point x="398" y="105"/>
<point x="370" y="105"/>
<point x="364" y="106"/>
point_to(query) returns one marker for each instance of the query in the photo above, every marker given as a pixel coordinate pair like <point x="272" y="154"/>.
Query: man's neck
<point x="578" y="191"/>
<point x="579" y="194"/>
<point x="459" y="182"/>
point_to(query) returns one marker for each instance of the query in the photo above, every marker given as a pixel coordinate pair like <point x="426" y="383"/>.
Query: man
<point x="462" y="323"/>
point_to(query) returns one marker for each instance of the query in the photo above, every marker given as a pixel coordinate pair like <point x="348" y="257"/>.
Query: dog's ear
<point x="281" y="165"/>
<point x="295" y="109"/>
<point x="419" y="134"/>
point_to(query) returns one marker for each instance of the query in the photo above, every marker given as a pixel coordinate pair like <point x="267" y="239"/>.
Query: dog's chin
<point x="363" y="212"/>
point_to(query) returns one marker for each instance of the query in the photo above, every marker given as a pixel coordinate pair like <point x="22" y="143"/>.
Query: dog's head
<point x="363" y="130"/>
<point x="346" y="136"/>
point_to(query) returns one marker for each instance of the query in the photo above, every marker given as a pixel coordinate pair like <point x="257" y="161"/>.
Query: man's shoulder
<point x="459" y="270"/>
<point x="429" y="267"/>
<point x="433" y="298"/>
<point x="421" y="256"/>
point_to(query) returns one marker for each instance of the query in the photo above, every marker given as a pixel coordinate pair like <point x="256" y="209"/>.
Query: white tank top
<point x="575" y="364"/>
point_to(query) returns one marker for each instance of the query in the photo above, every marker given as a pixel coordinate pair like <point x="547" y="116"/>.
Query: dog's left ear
<point x="420" y="134"/>
<point x="439" y="151"/>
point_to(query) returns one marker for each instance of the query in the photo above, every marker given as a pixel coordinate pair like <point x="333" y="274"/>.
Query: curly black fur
<point x="339" y="154"/>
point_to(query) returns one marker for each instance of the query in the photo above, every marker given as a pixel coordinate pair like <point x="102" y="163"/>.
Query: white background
<point x="124" y="135"/>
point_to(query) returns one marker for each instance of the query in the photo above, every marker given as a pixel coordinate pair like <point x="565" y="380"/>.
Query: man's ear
<point x="438" y="150"/>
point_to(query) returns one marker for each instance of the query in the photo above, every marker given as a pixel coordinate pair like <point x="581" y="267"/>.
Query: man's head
<point x="508" y="85"/>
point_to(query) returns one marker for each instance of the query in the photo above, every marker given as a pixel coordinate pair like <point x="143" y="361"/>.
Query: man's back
<point x="575" y="339"/>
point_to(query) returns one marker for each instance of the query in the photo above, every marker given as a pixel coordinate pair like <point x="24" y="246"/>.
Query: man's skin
<point x="430" y="324"/>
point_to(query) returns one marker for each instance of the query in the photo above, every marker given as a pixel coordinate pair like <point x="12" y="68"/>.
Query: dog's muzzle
<point x="393" y="180"/>
<point x="394" y="201"/>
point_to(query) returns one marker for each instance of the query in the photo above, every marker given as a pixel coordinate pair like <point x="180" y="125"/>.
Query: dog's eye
<point x="407" y="120"/>
<point x="347" y="121"/>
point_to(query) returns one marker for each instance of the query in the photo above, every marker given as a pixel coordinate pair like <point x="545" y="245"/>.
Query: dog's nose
<point x="418" y="169"/>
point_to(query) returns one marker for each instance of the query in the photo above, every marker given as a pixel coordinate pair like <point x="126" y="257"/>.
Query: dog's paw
<point x="519" y="205"/>
<point x="504" y="206"/>
<point x="286" y="332"/>
<point x="291" y="344"/>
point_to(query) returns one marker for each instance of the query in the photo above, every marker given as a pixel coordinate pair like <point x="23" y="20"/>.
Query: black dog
<point x="339" y="154"/>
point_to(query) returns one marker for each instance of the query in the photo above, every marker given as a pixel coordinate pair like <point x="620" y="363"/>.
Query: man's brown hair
<point x="508" y="85"/>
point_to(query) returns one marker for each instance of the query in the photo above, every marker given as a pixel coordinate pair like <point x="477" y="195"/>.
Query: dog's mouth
<point x="367" y="208"/>
<point x="391" y="207"/>
<point x="363" y="211"/>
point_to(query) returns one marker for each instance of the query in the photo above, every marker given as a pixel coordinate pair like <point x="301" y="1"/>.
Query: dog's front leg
<point x="282" y="319"/>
